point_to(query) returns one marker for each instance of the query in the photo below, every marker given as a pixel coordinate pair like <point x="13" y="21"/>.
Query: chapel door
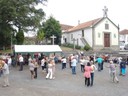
<point x="106" y="39"/>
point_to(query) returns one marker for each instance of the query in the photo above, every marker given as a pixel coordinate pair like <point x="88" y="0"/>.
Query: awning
<point x="36" y="48"/>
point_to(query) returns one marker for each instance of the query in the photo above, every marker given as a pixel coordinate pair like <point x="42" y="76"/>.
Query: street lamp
<point x="11" y="43"/>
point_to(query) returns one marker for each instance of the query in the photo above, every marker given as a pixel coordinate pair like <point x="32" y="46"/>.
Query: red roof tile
<point x="65" y="27"/>
<point x="123" y="32"/>
<point x="84" y="25"/>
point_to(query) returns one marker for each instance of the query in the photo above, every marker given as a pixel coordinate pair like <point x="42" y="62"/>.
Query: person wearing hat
<point x="5" y="69"/>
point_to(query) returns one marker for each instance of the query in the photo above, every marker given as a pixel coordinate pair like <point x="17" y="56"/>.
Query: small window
<point x="63" y="37"/>
<point x="106" y="26"/>
<point x="82" y="33"/>
<point x="71" y="36"/>
<point x="98" y="35"/>
<point x="114" y="35"/>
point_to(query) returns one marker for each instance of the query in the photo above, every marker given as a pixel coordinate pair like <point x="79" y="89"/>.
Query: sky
<point x="71" y="11"/>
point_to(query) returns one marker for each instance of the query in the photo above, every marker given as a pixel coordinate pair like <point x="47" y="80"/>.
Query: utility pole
<point x="11" y="44"/>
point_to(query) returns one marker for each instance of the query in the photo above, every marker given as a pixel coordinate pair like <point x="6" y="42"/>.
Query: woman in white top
<point x="5" y="69"/>
<point x="31" y="68"/>
<point x="43" y="63"/>
<point x="50" y="70"/>
<point x="92" y="72"/>
<point x="82" y="62"/>
<point x="63" y="62"/>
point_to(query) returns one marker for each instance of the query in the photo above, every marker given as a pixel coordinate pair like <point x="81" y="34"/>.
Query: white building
<point x="124" y="36"/>
<point x="100" y="34"/>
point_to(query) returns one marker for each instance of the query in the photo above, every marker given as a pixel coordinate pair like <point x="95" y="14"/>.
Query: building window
<point x="106" y="26"/>
<point x="114" y="35"/>
<point x="63" y="37"/>
<point x="71" y="36"/>
<point x="82" y="33"/>
<point x="77" y="42"/>
<point x="98" y="35"/>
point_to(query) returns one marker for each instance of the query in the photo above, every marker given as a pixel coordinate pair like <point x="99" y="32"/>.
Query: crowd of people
<point x="48" y="63"/>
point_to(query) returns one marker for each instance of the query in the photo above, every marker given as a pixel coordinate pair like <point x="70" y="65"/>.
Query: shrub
<point x="87" y="47"/>
<point x="71" y="46"/>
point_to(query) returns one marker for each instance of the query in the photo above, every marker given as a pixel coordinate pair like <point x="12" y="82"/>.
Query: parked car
<point x="122" y="45"/>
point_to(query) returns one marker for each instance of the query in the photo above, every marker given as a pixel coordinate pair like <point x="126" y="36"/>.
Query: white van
<point x="122" y="45"/>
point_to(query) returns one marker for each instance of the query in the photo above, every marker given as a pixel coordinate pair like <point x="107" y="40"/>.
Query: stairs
<point x="84" y="40"/>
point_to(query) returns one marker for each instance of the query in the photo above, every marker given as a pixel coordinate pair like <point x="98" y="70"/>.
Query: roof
<point x="36" y="48"/>
<point x="85" y="25"/>
<point x="65" y="27"/>
<point x="123" y="32"/>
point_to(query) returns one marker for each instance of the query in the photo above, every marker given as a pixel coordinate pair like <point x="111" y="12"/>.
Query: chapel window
<point x="106" y="26"/>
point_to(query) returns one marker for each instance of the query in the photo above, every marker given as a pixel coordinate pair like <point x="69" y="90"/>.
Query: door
<point x="106" y="39"/>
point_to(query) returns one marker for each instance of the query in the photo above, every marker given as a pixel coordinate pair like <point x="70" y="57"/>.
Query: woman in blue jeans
<point x="73" y="64"/>
<point x="92" y="72"/>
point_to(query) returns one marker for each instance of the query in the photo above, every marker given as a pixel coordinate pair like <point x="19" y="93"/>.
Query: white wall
<point x="124" y="38"/>
<point x="100" y="29"/>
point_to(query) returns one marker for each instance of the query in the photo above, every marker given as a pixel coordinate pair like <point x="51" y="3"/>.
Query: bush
<point x="71" y="46"/>
<point x="87" y="47"/>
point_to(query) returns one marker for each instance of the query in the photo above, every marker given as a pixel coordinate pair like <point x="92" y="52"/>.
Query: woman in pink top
<point x="87" y="73"/>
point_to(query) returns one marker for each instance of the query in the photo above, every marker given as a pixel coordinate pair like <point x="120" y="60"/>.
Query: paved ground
<point x="65" y="84"/>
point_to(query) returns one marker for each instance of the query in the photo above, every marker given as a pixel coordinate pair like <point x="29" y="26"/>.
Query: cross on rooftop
<point x="105" y="10"/>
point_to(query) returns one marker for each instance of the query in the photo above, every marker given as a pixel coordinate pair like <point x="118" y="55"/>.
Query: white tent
<point x="36" y="48"/>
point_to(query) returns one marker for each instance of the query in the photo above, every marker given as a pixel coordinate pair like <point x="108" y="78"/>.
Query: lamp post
<point x="11" y="43"/>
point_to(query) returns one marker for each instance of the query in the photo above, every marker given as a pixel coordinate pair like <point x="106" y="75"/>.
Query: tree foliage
<point x="20" y="37"/>
<point x="52" y="27"/>
<point x="16" y="15"/>
<point x="40" y="35"/>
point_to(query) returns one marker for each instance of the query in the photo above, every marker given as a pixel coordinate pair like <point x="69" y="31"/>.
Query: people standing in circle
<point x="5" y="69"/>
<point x="112" y="71"/>
<point x="9" y="61"/>
<point x="53" y="68"/>
<point x="21" y="62"/>
<point x="70" y="60"/>
<point x="43" y="63"/>
<point x="64" y="61"/>
<point x="50" y="70"/>
<point x="36" y="67"/>
<point x="73" y="64"/>
<point x="92" y="72"/>
<point x="99" y="60"/>
<point x="29" y="60"/>
<point x="123" y="67"/>
<point x="82" y="63"/>
<point x="87" y="73"/>
<point x="31" y="68"/>
<point x="1" y="65"/>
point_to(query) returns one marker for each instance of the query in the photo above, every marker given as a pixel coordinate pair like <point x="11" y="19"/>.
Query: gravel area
<point x="65" y="84"/>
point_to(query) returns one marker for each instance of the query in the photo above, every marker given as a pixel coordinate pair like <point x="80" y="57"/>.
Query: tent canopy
<point x="36" y="48"/>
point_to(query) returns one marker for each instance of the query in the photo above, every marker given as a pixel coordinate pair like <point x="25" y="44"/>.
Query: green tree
<point x="20" y="37"/>
<point x="40" y="35"/>
<point x="52" y="27"/>
<point x="19" y="14"/>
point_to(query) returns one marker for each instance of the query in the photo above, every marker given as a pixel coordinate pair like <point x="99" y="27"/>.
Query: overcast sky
<point x="70" y="11"/>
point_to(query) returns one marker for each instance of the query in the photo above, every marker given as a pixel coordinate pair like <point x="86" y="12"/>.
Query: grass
<point x="5" y="51"/>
